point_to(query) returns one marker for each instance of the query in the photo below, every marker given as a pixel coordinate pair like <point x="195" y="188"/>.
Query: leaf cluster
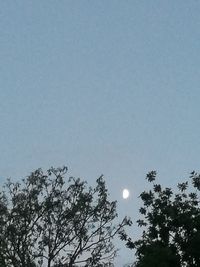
<point x="171" y="221"/>
<point x="49" y="220"/>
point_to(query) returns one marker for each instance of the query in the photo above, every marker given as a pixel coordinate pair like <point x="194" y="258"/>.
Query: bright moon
<point x="125" y="193"/>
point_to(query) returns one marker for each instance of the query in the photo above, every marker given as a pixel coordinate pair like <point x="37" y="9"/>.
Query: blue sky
<point x="106" y="87"/>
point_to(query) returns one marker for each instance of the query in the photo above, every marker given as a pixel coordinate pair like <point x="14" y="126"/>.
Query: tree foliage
<point x="171" y="221"/>
<point x="49" y="220"/>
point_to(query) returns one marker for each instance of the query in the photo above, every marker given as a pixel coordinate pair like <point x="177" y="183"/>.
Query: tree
<point x="171" y="221"/>
<point x="47" y="220"/>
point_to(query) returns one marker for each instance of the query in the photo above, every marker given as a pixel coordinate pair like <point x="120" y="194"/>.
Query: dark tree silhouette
<point x="171" y="221"/>
<point x="49" y="220"/>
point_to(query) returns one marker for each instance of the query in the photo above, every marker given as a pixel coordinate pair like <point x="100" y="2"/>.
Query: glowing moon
<point x="125" y="194"/>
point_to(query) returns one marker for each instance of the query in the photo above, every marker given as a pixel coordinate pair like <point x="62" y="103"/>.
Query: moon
<point x="125" y="193"/>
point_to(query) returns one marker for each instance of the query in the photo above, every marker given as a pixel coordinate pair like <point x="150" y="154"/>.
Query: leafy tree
<point x="47" y="220"/>
<point x="171" y="221"/>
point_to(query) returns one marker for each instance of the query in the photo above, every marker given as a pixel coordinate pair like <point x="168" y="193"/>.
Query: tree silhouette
<point x="49" y="220"/>
<point x="171" y="221"/>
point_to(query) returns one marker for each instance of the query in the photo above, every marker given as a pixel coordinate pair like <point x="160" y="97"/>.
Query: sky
<point x="103" y="87"/>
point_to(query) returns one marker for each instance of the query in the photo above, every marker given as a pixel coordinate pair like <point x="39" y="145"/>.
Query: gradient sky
<point x="104" y="86"/>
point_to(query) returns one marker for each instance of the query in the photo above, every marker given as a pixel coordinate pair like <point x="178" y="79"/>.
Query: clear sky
<point x="104" y="86"/>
